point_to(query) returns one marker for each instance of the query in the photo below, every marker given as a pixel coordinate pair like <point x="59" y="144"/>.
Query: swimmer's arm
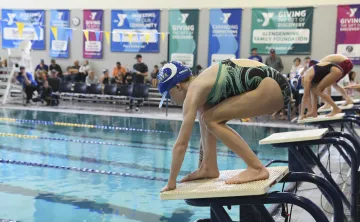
<point x="181" y="144"/>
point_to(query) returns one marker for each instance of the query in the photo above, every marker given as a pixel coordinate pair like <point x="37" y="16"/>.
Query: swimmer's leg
<point x="208" y="167"/>
<point x="328" y="92"/>
<point x="344" y="94"/>
<point x="329" y="79"/>
<point x="247" y="105"/>
<point x="314" y="103"/>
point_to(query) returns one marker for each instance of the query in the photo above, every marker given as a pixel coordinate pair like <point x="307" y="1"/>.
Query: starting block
<point x="356" y="101"/>
<point x="350" y="106"/>
<point x="216" y="194"/>
<point x="322" y="118"/>
<point x="209" y="188"/>
<point x="302" y="158"/>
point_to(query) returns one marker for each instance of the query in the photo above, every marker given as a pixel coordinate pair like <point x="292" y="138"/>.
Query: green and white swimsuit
<point x="233" y="80"/>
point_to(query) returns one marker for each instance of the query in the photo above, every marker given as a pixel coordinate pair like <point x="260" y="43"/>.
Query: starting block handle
<point x="276" y="161"/>
<point x="323" y="185"/>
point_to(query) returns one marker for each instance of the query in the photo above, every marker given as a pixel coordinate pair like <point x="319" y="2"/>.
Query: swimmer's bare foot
<point x="325" y="106"/>
<point x="334" y="111"/>
<point x="348" y="102"/>
<point x="249" y="175"/>
<point x="311" y="114"/>
<point x="202" y="173"/>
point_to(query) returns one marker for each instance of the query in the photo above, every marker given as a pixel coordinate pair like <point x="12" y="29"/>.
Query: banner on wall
<point x="287" y="30"/>
<point x="224" y="34"/>
<point x="59" y="39"/>
<point x="20" y="25"/>
<point x="348" y="32"/>
<point x="92" y="35"/>
<point x="143" y="26"/>
<point x="183" y="39"/>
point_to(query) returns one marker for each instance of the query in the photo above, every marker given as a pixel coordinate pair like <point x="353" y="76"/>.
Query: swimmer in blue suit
<point x="231" y="89"/>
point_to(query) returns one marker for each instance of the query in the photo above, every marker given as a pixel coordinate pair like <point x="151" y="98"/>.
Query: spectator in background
<point x="295" y="68"/>
<point x="54" y="81"/>
<point x="255" y="56"/>
<point x="154" y="74"/>
<point x="84" y="71"/>
<point x="40" y="77"/>
<point x="5" y="64"/>
<point x="198" y="70"/>
<point x="91" y="78"/>
<point x="41" y="67"/>
<point x="28" y="82"/>
<point x="305" y="67"/>
<point x="351" y="82"/>
<point x="47" y="95"/>
<point x="105" y="78"/>
<point x="54" y="66"/>
<point x="75" y="70"/>
<point x="274" y="61"/>
<point x="163" y="63"/>
<point x="118" y="74"/>
<point x="68" y="76"/>
<point x="141" y="71"/>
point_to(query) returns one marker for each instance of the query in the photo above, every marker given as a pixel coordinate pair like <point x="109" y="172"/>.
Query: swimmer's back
<point x="334" y="58"/>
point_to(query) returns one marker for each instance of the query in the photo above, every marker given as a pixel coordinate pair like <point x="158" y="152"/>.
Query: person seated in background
<point x="47" y="95"/>
<point x="54" y="81"/>
<point x="42" y="66"/>
<point x="118" y="74"/>
<point x="75" y="71"/>
<point x="40" y="77"/>
<point x="105" y="78"/>
<point x="295" y="68"/>
<point x="154" y="74"/>
<point x="54" y="66"/>
<point x="28" y="82"/>
<point x="128" y="78"/>
<point x="68" y="76"/>
<point x="254" y="55"/>
<point x="91" y="78"/>
<point x="84" y="71"/>
<point x="274" y="61"/>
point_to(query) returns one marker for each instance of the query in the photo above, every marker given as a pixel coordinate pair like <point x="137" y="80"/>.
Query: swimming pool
<point x="133" y="153"/>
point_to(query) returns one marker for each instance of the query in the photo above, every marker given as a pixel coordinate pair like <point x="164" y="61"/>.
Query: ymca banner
<point x="135" y="30"/>
<point x="287" y="30"/>
<point x="348" y="32"/>
<point x="20" y="25"/>
<point x="59" y="39"/>
<point x="93" y="36"/>
<point x="224" y="34"/>
<point x="183" y="39"/>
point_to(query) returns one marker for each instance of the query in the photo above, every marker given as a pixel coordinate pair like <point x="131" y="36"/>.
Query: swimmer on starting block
<point x="346" y="65"/>
<point x="231" y="89"/>
<point x="320" y="76"/>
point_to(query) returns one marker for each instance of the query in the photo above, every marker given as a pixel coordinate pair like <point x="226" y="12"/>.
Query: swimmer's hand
<point x="301" y="117"/>
<point x="168" y="187"/>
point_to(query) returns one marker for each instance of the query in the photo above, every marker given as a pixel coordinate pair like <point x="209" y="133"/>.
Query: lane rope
<point x="24" y="136"/>
<point x="78" y="169"/>
<point x="43" y="122"/>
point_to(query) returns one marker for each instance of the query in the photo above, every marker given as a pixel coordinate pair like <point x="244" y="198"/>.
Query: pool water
<point x="140" y="151"/>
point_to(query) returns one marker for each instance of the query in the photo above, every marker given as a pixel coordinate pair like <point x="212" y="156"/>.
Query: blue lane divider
<point x="124" y="145"/>
<point x="43" y="122"/>
<point x="80" y="169"/>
